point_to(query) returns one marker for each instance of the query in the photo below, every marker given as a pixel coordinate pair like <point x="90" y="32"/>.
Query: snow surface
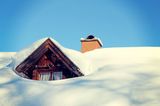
<point x="119" y="77"/>
<point x="5" y="58"/>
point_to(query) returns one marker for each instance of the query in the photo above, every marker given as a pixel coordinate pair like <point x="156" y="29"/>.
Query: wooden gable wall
<point x="29" y="63"/>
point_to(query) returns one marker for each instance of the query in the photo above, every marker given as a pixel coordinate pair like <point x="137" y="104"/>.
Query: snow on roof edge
<point x="19" y="57"/>
<point x="24" y="53"/>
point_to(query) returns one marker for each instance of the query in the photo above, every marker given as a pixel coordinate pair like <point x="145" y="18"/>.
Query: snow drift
<point x="118" y="77"/>
<point x="6" y="58"/>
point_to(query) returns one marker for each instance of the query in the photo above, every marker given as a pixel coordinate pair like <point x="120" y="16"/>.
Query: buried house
<point x="48" y="62"/>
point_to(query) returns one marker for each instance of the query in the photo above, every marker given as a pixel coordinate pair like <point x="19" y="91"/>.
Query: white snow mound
<point x="122" y="77"/>
<point x="5" y="58"/>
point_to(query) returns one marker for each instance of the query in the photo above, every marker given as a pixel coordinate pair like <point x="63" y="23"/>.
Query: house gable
<point x="48" y="48"/>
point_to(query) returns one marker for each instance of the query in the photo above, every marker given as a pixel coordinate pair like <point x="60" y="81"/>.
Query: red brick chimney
<point x="90" y="43"/>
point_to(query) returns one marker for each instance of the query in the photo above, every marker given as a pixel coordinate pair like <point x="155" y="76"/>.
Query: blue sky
<point x="119" y="23"/>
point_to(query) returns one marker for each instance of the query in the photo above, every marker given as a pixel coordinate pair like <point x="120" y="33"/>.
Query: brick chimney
<point x="90" y="43"/>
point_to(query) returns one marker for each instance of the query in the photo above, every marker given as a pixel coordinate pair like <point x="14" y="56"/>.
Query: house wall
<point x="43" y="66"/>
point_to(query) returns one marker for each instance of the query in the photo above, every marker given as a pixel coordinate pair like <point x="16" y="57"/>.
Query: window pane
<point x="57" y="75"/>
<point x="45" y="76"/>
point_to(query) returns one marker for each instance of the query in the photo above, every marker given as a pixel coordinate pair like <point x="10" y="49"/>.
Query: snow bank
<point x="122" y="77"/>
<point x="125" y="56"/>
<point x="5" y="58"/>
<point x="77" y="57"/>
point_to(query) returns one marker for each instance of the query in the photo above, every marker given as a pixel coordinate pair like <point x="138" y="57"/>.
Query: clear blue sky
<point x="119" y="23"/>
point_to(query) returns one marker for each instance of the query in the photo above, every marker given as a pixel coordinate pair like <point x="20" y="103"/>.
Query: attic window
<point x="57" y="75"/>
<point x="46" y="76"/>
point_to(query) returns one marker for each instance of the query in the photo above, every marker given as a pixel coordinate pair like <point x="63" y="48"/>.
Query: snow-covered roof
<point x="121" y="56"/>
<point x="75" y="56"/>
<point x="124" y="77"/>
